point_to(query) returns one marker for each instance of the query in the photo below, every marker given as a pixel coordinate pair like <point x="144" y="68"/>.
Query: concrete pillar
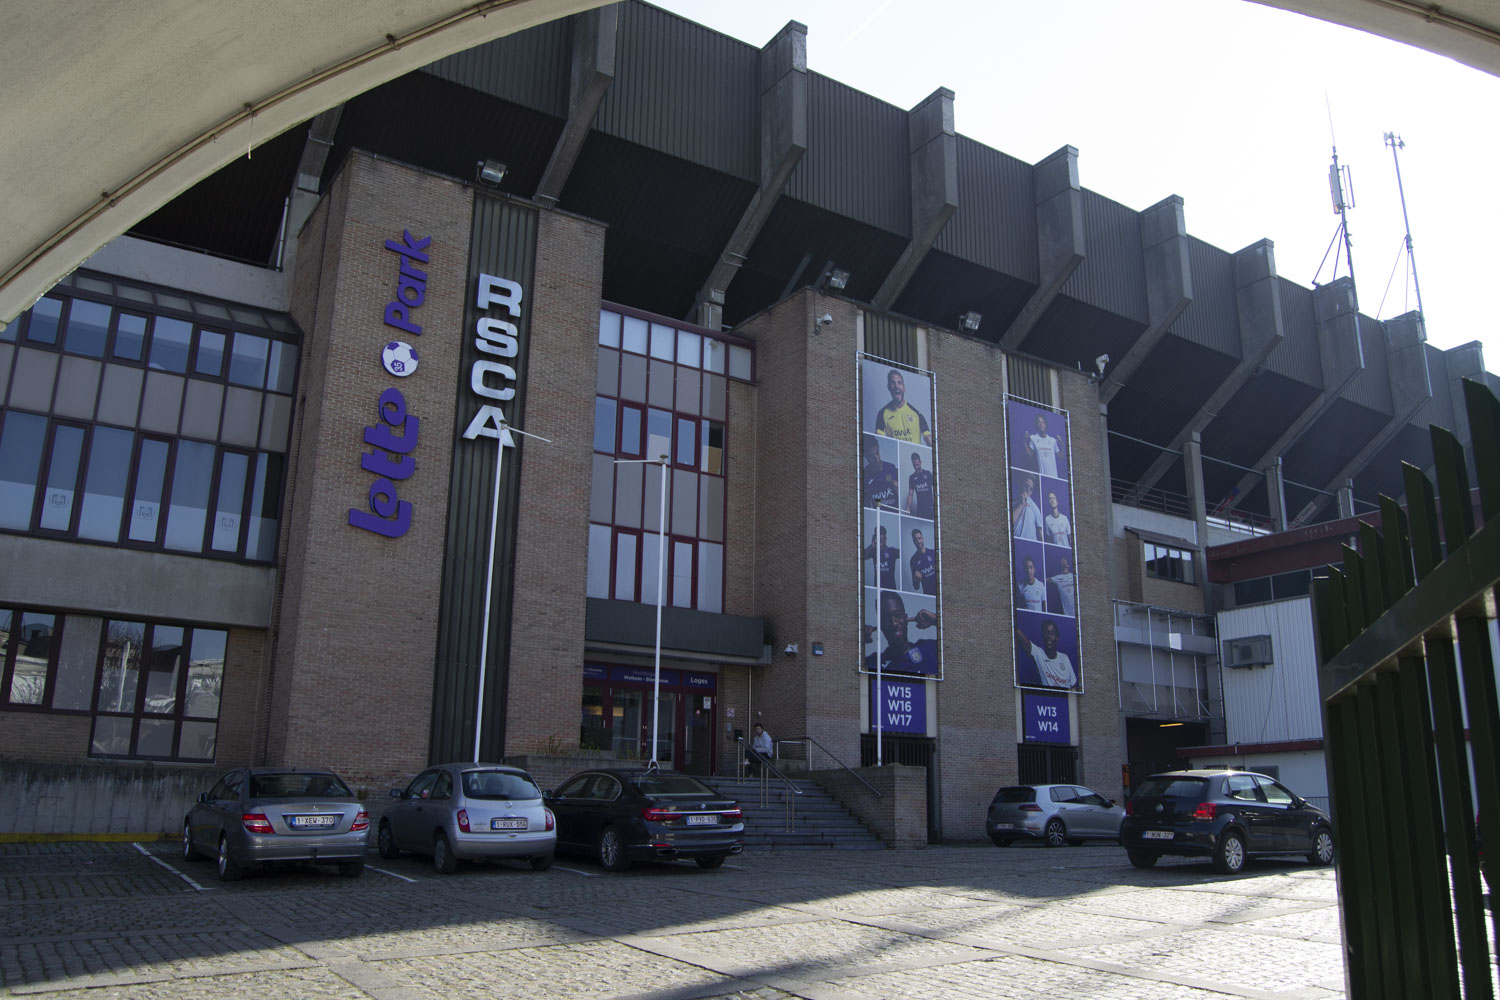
<point x="1192" y="468"/>
<point x="933" y="158"/>
<point x="592" y="71"/>
<point x="1276" y="494"/>
<point x="1169" y="286"/>
<point x="1346" y="499"/>
<point x="1059" y="238"/>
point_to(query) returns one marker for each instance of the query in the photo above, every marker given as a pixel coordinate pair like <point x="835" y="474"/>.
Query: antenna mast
<point x="1394" y="141"/>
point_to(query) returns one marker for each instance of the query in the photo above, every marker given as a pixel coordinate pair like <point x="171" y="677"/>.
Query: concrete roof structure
<point x="113" y="110"/>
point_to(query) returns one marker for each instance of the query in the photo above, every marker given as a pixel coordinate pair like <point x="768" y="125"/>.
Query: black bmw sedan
<point x="1229" y="816"/>
<point x="620" y="816"/>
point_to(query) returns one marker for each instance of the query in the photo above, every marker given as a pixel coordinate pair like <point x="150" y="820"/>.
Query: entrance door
<point x="616" y="714"/>
<point x="628" y="742"/>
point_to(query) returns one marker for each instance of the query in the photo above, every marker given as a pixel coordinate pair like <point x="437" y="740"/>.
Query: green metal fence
<point x="1404" y="643"/>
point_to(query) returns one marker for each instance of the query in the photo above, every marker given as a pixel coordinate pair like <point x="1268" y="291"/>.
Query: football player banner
<point x="901" y="624"/>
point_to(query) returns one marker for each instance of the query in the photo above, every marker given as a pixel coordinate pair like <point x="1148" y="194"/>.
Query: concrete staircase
<point x="819" y="822"/>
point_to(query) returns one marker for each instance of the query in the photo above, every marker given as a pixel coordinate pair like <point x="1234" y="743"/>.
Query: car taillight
<point x="551" y="820"/>
<point x="361" y="822"/>
<point x="1031" y="807"/>
<point x="256" y="823"/>
<point x="463" y="820"/>
<point x="1205" y="810"/>
<point x="731" y="815"/>
<point x="1130" y="809"/>
<point x="654" y="814"/>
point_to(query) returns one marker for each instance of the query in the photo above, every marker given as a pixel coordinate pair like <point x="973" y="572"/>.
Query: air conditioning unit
<point x="1250" y="651"/>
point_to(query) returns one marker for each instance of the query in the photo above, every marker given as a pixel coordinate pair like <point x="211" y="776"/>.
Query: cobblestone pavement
<point x="115" y="921"/>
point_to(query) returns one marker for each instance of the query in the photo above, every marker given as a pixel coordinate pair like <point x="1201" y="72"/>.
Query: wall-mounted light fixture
<point x="969" y="321"/>
<point x="489" y="172"/>
<point x="837" y="279"/>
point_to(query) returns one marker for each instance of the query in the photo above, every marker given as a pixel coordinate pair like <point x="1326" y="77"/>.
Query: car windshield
<point x="499" y="785"/>
<point x="297" y="785"/>
<point x="673" y="784"/>
<point x="1173" y="788"/>
<point x="1018" y="794"/>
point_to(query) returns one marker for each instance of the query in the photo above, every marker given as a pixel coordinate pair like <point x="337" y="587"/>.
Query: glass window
<point x="41" y="327"/>
<point x="652" y="551"/>
<point x="199" y="741"/>
<point x="1241" y="787"/>
<point x="604" y="425"/>
<point x="658" y="434"/>
<point x="710" y="577"/>
<point x="20" y="466"/>
<point x="111" y="736"/>
<point x="150" y="476"/>
<point x="130" y="336"/>
<point x="77" y="660"/>
<point x="662" y="381"/>
<point x="230" y="503"/>
<point x="740" y="363"/>
<point x="88" y="328"/>
<point x="1294" y="584"/>
<point x="162" y="666"/>
<point x="689" y="390"/>
<point x="630" y="430"/>
<point x="62" y="477"/>
<point x="1256" y="591"/>
<point x="602" y="490"/>
<point x="687" y="442"/>
<point x="104" y="487"/>
<point x="625" y="544"/>
<point x="205" y="678"/>
<point x="281" y="375"/>
<point x="210" y="359"/>
<point x="714" y="403"/>
<point x="713" y="448"/>
<point x="714" y="352"/>
<point x="607" y="381"/>
<point x="118" y="673"/>
<point x="682" y="574"/>
<point x="634" y="339"/>
<point x="187" y="514"/>
<point x="155" y="738"/>
<point x="33" y="645"/>
<point x="171" y="340"/>
<point x="628" y="479"/>
<point x="598" y="578"/>
<point x="247" y="365"/>
<point x="265" y="504"/>
<point x="689" y="349"/>
<point x="609" y="328"/>
<point x="1274" y="793"/>
<point x="633" y="378"/>
<point x="663" y="339"/>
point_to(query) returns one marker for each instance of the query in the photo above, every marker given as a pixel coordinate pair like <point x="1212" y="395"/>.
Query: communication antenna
<point x="1341" y="190"/>
<point x="1394" y="141"/>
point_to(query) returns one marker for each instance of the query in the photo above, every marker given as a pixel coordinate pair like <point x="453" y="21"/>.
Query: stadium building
<point x="359" y="452"/>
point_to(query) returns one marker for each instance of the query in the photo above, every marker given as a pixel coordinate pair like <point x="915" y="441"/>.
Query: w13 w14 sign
<point x="1045" y="719"/>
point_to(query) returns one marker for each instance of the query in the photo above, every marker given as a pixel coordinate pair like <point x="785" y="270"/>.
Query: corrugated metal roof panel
<point x="1371" y="388"/>
<point x="1113" y="273"/>
<point x="1297" y="357"/>
<point x="530" y="68"/>
<point x="1212" y="319"/>
<point x="857" y="162"/>
<point x="995" y="224"/>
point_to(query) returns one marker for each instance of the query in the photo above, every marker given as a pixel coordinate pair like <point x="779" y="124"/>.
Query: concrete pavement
<point x="114" y="921"/>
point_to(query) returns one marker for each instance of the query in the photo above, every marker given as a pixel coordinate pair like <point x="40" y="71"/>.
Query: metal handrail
<point x="763" y="781"/>
<point x="766" y="761"/>
<point x="846" y="767"/>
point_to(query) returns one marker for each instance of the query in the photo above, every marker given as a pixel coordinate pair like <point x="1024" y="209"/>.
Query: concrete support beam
<point x="1059" y="238"/>
<point x="594" y="44"/>
<point x="1192" y="457"/>
<point x="1411" y="391"/>
<point x="1169" y="286"/>
<point x="933" y="147"/>
<point x="1343" y="357"/>
<point x="783" y="140"/>
<point x="1257" y="296"/>
<point x="1276" y="494"/>
<point x="1346" y="499"/>
<point x="310" y="168"/>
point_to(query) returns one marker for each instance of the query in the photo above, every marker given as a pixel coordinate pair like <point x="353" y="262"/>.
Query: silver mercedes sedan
<point x="257" y="816"/>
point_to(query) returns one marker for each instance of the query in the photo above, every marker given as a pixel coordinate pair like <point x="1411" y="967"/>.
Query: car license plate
<point x="508" y="824"/>
<point x="311" y="822"/>
<point x="702" y="819"/>
<point x="1157" y="835"/>
<point x="1005" y="826"/>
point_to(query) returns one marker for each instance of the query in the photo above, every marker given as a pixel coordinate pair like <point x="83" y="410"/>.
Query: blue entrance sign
<point x="1045" y="719"/>
<point x="902" y="705"/>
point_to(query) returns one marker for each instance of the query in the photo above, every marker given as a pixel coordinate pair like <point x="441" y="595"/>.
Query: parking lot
<point x="128" y="920"/>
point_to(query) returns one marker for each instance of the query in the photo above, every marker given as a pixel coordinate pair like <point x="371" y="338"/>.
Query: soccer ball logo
<point x="399" y="358"/>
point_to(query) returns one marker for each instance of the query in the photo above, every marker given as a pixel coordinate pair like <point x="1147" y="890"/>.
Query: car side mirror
<point x="397" y="793"/>
<point x="202" y="796"/>
<point x="1111" y="802"/>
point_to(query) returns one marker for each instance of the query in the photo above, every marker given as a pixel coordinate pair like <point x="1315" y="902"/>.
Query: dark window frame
<point x="178" y="716"/>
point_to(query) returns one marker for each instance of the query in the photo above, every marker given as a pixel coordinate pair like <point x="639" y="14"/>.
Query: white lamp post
<point x="661" y="576"/>
<point x="503" y="440"/>
<point x="879" y="646"/>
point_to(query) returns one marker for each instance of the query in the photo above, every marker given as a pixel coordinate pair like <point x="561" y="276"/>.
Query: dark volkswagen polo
<point x="624" y="816"/>
<point x="1229" y="816"/>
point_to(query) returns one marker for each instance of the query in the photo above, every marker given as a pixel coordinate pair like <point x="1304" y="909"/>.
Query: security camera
<point x="1100" y="362"/>
<point x="826" y="319"/>
<point x="791" y="649"/>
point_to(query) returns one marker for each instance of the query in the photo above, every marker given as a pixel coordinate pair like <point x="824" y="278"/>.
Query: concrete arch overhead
<point x="112" y="110"/>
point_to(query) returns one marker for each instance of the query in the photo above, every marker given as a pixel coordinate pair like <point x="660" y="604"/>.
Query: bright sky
<point x="1223" y="102"/>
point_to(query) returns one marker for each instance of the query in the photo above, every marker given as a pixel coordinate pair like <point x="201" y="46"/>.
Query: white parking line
<point x="174" y="871"/>
<point x="391" y="874"/>
<point x="575" y="871"/>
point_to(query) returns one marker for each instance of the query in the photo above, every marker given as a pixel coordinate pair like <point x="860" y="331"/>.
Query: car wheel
<point x="386" y="841"/>
<point x="1322" y="852"/>
<point x="1142" y="859"/>
<point x="1055" y="835"/>
<point x="1000" y="841"/>
<point x="541" y="862"/>
<point x="612" y="851"/>
<point x="229" y="868"/>
<point x="1229" y="856"/>
<point x="442" y="855"/>
<point x="189" y="852"/>
<point x="352" y="869"/>
<point x="712" y="861"/>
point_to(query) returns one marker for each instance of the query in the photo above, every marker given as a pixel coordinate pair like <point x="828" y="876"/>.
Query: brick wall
<point x="358" y="611"/>
<point x="546" y="649"/>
